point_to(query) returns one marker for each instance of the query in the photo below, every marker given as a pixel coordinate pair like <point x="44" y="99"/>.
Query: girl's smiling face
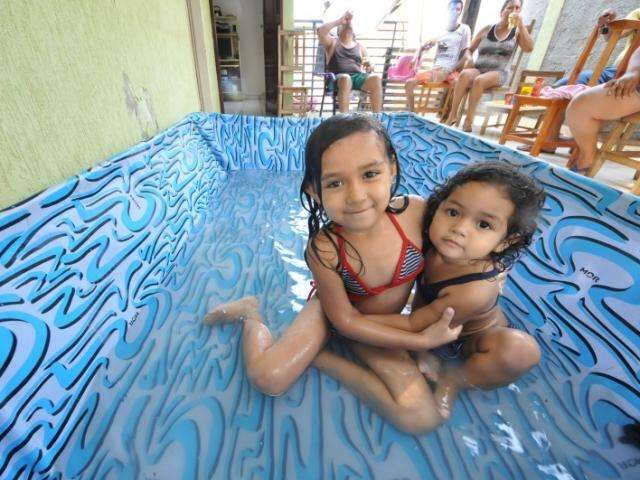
<point x="356" y="181"/>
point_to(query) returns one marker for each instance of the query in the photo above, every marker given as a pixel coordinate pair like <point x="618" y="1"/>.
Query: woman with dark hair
<point x="495" y="45"/>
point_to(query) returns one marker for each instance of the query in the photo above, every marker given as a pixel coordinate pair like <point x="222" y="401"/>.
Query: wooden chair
<point x="554" y="108"/>
<point x="428" y="97"/>
<point x="620" y="147"/>
<point x="291" y="48"/>
<point x="494" y="93"/>
<point x="432" y="98"/>
<point x="500" y="108"/>
<point x="393" y="95"/>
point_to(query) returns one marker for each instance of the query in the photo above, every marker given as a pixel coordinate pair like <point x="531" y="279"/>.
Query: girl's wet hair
<point x="526" y="194"/>
<point x="326" y="134"/>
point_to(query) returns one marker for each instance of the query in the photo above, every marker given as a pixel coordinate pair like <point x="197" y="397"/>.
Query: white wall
<point x="250" y="30"/>
<point x="577" y="20"/>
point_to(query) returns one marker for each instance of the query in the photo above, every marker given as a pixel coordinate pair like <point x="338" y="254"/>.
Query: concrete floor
<point x="612" y="174"/>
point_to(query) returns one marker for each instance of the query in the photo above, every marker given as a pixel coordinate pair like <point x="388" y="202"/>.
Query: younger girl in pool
<point x="475" y="227"/>
<point x="364" y="250"/>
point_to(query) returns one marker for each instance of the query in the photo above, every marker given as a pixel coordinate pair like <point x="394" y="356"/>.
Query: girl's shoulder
<point x="409" y="204"/>
<point x="479" y="285"/>
<point x="414" y="210"/>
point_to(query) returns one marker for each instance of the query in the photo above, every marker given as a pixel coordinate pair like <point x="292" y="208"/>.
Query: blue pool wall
<point x="87" y="267"/>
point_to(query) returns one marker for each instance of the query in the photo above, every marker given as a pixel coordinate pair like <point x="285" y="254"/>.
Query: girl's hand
<point x="623" y="86"/>
<point x="441" y="332"/>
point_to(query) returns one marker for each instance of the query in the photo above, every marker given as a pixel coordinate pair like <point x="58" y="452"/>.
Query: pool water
<point x="190" y="412"/>
<point x="106" y="370"/>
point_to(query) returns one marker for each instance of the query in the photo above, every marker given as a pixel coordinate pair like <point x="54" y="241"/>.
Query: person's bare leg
<point x="496" y="358"/>
<point x="373" y="85"/>
<point x="481" y="83"/>
<point x="273" y="366"/>
<point x="409" y="87"/>
<point x="429" y="364"/>
<point x="343" y="82"/>
<point x="392" y="385"/>
<point x="463" y="83"/>
<point x="585" y="115"/>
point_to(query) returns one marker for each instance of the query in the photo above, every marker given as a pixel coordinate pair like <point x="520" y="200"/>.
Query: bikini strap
<point x="470" y="277"/>
<point x="399" y="229"/>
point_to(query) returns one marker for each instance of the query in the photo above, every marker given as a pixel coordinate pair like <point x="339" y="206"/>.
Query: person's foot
<point x="450" y="121"/>
<point x="467" y="128"/>
<point x="238" y="310"/>
<point x="574" y="165"/>
<point x="429" y="365"/>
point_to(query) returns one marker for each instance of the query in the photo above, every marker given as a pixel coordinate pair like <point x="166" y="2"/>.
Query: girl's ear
<point x="506" y="243"/>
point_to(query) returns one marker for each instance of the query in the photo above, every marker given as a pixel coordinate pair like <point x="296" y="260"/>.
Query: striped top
<point x="494" y="54"/>
<point x="410" y="265"/>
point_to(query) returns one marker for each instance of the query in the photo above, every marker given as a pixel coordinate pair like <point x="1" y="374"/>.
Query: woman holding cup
<point x="495" y="45"/>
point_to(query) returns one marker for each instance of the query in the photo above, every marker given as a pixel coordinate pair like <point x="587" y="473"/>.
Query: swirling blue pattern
<point x="106" y="370"/>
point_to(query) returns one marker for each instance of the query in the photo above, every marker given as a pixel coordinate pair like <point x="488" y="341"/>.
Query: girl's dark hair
<point x="326" y="134"/>
<point x="526" y="194"/>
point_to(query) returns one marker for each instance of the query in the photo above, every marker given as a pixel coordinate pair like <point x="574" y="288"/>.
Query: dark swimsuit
<point x="430" y="292"/>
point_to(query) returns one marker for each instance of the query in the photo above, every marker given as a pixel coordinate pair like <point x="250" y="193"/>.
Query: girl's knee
<point x="418" y="421"/>
<point x="518" y="352"/>
<point x="269" y="382"/>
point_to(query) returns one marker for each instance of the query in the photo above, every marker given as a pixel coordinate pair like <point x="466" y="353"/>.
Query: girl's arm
<point x="467" y="300"/>
<point x="372" y="329"/>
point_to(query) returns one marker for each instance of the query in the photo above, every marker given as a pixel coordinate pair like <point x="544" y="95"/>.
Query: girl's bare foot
<point x="429" y="365"/>
<point x="238" y="310"/>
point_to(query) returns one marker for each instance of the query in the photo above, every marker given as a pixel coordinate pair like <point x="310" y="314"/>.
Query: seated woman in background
<point x="495" y="45"/>
<point x="611" y="101"/>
